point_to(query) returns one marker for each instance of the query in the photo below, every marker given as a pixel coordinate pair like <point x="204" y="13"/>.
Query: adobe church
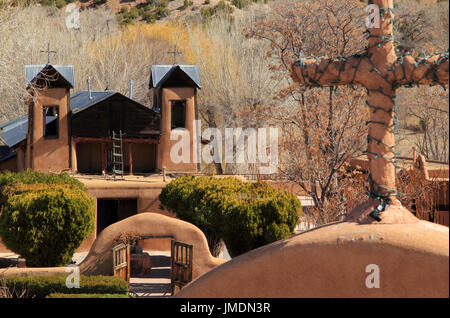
<point x="97" y="134"/>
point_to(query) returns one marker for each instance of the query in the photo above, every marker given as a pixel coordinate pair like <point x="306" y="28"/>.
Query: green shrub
<point x="60" y="3"/>
<point x="240" y="4"/>
<point x="43" y="286"/>
<point x="44" y="218"/>
<point x="98" y="2"/>
<point x="161" y="12"/>
<point x="187" y="3"/>
<point x="88" y="296"/>
<point x="221" y="7"/>
<point x="245" y="215"/>
<point x="34" y="177"/>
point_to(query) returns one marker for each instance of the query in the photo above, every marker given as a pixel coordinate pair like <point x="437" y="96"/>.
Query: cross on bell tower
<point x="48" y="53"/>
<point x="174" y="52"/>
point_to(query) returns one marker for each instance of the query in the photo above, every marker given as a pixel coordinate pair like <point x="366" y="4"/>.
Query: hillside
<point x="150" y="11"/>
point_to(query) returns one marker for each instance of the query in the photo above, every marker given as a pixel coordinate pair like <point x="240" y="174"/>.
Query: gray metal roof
<point x="80" y="100"/>
<point x="66" y="71"/>
<point x="16" y="130"/>
<point x="160" y="73"/>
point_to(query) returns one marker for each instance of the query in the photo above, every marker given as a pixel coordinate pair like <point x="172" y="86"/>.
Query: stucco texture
<point x="331" y="261"/>
<point x="99" y="261"/>
<point x="50" y="154"/>
<point x="165" y="145"/>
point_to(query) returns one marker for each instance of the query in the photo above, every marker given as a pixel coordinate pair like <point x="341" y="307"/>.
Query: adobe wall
<point x="331" y="261"/>
<point x="9" y="165"/>
<point x="164" y="160"/>
<point x="50" y="154"/>
<point x="147" y="201"/>
<point x="99" y="259"/>
<point x="146" y="194"/>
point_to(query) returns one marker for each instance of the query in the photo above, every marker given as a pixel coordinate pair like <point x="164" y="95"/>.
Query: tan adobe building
<point x="97" y="134"/>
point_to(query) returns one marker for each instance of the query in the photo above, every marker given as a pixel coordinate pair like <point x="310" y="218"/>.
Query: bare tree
<point x="234" y="73"/>
<point x="99" y="49"/>
<point x="430" y="107"/>
<point x="322" y="128"/>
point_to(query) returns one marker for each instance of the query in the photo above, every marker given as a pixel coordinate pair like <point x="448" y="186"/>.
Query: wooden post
<point x="130" y="155"/>
<point x="103" y="159"/>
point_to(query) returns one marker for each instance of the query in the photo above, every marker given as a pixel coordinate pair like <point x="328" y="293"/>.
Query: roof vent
<point x="89" y="87"/>
<point x="130" y="89"/>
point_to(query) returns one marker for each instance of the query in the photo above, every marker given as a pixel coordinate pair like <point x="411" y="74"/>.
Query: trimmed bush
<point x="245" y="215"/>
<point x="34" y="177"/>
<point x="43" y="286"/>
<point x="44" y="218"/>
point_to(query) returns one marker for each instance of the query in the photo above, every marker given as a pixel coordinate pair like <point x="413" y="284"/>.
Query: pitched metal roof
<point x="16" y="130"/>
<point x="66" y="72"/>
<point x="160" y="73"/>
<point x="80" y="100"/>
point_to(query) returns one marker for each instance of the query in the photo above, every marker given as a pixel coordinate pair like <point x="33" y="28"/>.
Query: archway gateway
<point x="130" y="261"/>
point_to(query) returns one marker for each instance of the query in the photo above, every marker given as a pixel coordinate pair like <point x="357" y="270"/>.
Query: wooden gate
<point x="181" y="264"/>
<point x="121" y="261"/>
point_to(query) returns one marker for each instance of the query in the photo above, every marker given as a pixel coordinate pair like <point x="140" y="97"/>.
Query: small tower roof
<point x="162" y="74"/>
<point x="64" y="74"/>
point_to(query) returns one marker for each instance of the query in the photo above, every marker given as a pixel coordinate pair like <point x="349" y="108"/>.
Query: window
<point x="51" y="122"/>
<point x="178" y="114"/>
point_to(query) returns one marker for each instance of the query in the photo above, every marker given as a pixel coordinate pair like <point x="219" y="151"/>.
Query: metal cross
<point x="174" y="52"/>
<point x="48" y="53"/>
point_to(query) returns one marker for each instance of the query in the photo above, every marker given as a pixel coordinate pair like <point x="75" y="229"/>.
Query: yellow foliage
<point x="197" y="46"/>
<point x="170" y="32"/>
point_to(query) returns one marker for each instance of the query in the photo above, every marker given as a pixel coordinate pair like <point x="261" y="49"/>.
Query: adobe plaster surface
<point x="49" y="154"/>
<point x="331" y="261"/>
<point x="166" y="144"/>
<point x="99" y="260"/>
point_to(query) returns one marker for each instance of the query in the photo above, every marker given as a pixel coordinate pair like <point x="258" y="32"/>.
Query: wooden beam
<point x="130" y="156"/>
<point x="108" y="140"/>
<point x="103" y="158"/>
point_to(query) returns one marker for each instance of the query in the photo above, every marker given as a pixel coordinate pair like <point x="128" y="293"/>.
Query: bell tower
<point x="174" y="89"/>
<point x="48" y="135"/>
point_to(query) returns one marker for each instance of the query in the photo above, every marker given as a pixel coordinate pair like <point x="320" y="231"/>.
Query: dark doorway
<point x="110" y="211"/>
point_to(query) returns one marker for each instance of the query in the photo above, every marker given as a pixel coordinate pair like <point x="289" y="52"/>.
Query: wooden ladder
<point x="117" y="154"/>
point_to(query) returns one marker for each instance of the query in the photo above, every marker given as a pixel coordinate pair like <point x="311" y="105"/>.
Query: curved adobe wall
<point x="99" y="259"/>
<point x="331" y="261"/>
